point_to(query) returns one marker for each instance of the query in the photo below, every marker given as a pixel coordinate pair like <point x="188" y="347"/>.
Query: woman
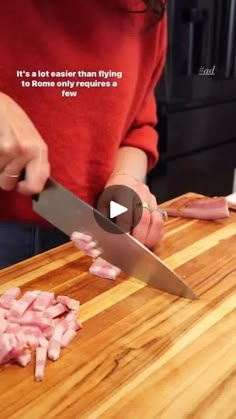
<point x="103" y="135"/>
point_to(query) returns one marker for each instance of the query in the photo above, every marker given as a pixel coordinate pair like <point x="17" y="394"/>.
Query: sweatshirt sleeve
<point x="142" y="134"/>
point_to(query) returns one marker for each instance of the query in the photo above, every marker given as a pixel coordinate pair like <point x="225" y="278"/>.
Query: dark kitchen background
<point x="197" y="101"/>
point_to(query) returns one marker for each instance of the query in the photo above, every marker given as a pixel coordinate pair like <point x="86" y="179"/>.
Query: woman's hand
<point x="149" y="230"/>
<point x="21" y="147"/>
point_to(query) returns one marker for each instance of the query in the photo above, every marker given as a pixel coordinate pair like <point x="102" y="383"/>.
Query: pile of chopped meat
<point x="37" y="322"/>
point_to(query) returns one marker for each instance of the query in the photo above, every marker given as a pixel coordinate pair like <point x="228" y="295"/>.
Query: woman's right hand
<point x="21" y="147"/>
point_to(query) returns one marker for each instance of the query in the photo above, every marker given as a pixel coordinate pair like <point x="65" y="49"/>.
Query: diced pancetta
<point x="3" y="325"/>
<point x="41" y="356"/>
<point x="104" y="269"/>
<point x="54" y="346"/>
<point x="32" y="318"/>
<point x="85" y="243"/>
<point x="5" y="346"/>
<point x="100" y="267"/>
<point x="8" y="297"/>
<point x="37" y="322"/>
<point x="24" y="359"/>
<point x="3" y="313"/>
<point x="71" y="321"/>
<point x="70" y="303"/>
<point x="43" y="300"/>
<point x="18" y="307"/>
<point x="67" y="337"/>
<point x="55" y="311"/>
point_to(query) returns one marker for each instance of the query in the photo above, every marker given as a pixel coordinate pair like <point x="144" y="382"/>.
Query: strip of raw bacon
<point x="13" y="328"/>
<point x="67" y="337"/>
<point x="41" y="356"/>
<point x="31" y="338"/>
<point x="8" y="297"/>
<point x="3" y="325"/>
<point x="5" y="346"/>
<point x="18" y="307"/>
<point x="43" y="341"/>
<point x="43" y="300"/>
<point x="32" y="318"/>
<point x="21" y="337"/>
<point x="39" y="335"/>
<point x="54" y="347"/>
<point x="199" y="208"/>
<point x="3" y="313"/>
<point x="48" y="332"/>
<point x="71" y="321"/>
<point x="24" y="359"/>
<point x="13" y="340"/>
<point x="16" y="348"/>
<point x="55" y="311"/>
<point x="70" y="303"/>
<point x="14" y="353"/>
<point x="3" y="322"/>
<point x="104" y="269"/>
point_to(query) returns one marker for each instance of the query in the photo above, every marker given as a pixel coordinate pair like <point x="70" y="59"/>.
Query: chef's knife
<point x="69" y="213"/>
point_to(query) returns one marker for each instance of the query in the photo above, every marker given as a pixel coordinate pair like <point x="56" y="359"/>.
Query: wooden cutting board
<point x="142" y="353"/>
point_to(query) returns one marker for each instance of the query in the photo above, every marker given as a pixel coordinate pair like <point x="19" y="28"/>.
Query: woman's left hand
<point x="149" y="230"/>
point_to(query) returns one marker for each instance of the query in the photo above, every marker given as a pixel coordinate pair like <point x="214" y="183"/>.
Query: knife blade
<point x="69" y="213"/>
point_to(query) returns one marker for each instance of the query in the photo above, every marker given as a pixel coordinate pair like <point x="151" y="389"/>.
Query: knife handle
<point x="35" y="197"/>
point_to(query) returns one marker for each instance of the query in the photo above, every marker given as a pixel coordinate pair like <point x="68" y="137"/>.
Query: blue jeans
<point x="20" y="241"/>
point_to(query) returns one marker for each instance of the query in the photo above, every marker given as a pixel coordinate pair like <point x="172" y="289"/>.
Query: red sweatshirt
<point x="98" y="42"/>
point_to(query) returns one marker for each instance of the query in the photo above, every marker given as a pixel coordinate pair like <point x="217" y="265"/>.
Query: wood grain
<point x="142" y="353"/>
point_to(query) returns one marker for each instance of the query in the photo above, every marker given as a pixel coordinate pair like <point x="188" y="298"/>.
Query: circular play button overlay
<point x="122" y="206"/>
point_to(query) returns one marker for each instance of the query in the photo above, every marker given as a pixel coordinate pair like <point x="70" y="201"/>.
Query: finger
<point x="141" y="230"/>
<point x="155" y="231"/>
<point x="9" y="177"/>
<point x="7" y="152"/>
<point x="37" y="172"/>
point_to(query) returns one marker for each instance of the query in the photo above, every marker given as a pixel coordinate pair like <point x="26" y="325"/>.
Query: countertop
<point x="141" y="353"/>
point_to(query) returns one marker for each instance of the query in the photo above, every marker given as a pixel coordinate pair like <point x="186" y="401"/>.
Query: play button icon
<point x="116" y="209"/>
<point x="122" y="206"/>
